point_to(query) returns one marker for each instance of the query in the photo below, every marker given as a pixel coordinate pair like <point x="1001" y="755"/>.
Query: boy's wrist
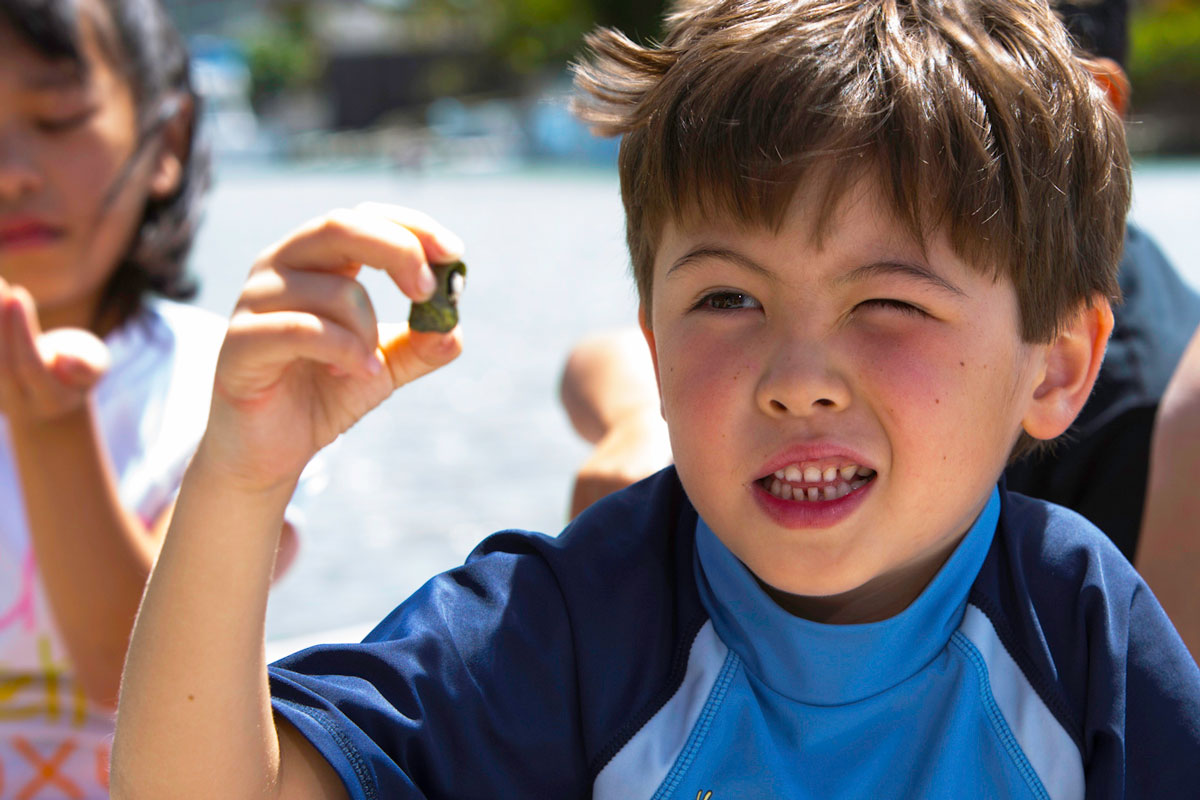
<point x="209" y="466"/>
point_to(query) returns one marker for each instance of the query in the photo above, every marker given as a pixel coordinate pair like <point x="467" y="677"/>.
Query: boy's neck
<point x="880" y="598"/>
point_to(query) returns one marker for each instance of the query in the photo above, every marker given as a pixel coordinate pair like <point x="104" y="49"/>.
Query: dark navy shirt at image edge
<point x="528" y="670"/>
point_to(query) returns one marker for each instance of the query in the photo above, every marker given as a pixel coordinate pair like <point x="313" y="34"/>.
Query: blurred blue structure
<point x="554" y="132"/>
<point x="540" y="128"/>
<point x="222" y="79"/>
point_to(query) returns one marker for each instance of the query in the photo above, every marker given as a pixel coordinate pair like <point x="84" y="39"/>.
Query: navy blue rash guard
<point x="635" y="657"/>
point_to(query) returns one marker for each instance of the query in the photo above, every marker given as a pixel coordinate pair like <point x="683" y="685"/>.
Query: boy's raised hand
<point x="43" y="376"/>
<point x="305" y="357"/>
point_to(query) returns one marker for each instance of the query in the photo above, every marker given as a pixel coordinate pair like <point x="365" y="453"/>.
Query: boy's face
<point x="886" y="383"/>
<point x="66" y="136"/>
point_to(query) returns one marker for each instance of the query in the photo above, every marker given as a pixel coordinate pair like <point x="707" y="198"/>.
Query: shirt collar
<point x="822" y="664"/>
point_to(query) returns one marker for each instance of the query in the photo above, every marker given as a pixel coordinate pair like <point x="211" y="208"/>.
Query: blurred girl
<point x="104" y="378"/>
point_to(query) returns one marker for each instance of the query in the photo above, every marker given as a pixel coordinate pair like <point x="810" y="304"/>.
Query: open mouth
<point x="816" y="483"/>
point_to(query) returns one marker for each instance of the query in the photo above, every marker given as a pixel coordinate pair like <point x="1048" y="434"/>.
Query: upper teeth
<point x="812" y="474"/>
<point x="835" y="481"/>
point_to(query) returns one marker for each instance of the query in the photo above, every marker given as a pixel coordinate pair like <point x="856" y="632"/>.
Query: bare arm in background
<point x="1168" y="554"/>
<point x="611" y="397"/>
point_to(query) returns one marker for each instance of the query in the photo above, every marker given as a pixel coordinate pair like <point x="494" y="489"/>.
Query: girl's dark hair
<point x="144" y="46"/>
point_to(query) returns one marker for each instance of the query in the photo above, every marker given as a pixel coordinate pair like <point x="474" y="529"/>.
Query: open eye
<point x="727" y="301"/>
<point x="893" y="305"/>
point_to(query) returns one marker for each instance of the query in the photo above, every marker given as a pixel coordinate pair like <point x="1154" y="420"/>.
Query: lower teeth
<point x="813" y="494"/>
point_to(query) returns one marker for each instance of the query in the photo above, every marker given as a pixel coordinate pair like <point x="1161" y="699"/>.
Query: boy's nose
<point x="801" y="380"/>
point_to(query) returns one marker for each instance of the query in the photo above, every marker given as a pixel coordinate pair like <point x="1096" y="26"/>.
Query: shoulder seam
<point x="679" y="663"/>
<point x="996" y="719"/>
<point x="1046" y="687"/>
<point x="695" y="740"/>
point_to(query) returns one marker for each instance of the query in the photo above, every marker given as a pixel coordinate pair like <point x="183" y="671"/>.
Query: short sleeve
<point x="465" y="690"/>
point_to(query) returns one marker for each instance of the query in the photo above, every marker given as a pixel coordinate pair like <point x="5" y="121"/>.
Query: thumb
<point x="412" y="354"/>
<point x="77" y="357"/>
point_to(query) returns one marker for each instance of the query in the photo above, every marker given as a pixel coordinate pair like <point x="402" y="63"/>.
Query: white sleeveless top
<point x="152" y="407"/>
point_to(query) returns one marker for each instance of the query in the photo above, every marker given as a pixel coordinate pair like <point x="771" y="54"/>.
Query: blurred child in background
<point x="104" y="377"/>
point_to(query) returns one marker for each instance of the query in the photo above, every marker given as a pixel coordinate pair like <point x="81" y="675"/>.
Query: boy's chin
<point x="809" y="588"/>
<point x="850" y="596"/>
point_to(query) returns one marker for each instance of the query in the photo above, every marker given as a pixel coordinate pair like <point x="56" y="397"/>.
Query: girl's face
<point x="70" y="199"/>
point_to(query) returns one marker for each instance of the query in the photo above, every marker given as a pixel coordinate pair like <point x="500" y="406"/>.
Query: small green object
<point x="440" y="312"/>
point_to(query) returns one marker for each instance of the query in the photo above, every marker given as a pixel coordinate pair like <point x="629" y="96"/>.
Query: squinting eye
<point x="894" y="305"/>
<point x="64" y="124"/>
<point x="727" y="301"/>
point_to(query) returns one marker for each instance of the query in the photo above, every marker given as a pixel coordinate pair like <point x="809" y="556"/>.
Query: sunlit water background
<point x="483" y="444"/>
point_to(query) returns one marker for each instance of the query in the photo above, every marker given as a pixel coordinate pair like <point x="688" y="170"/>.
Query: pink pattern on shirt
<point x="22" y="609"/>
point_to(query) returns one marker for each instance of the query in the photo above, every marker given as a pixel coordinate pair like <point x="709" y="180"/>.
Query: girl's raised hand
<point x="305" y="357"/>
<point x="43" y="376"/>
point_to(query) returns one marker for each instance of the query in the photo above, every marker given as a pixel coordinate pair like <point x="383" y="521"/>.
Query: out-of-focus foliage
<point x="1164" y="52"/>
<point x="526" y="37"/>
<point x="532" y="35"/>
<point x="529" y="34"/>
<point x="640" y="19"/>
<point x="283" y="54"/>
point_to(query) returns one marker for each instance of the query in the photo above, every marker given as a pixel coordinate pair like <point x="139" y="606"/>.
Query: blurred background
<point x="459" y="108"/>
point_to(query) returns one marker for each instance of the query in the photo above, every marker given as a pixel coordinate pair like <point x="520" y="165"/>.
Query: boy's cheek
<point x="701" y="378"/>
<point x="928" y="367"/>
<point x="904" y="374"/>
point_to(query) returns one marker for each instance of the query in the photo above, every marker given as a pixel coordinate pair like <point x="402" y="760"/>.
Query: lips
<point x="27" y="233"/>
<point x="813" y="487"/>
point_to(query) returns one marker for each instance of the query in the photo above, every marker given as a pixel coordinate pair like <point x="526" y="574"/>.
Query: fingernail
<point x="372" y="364"/>
<point x="426" y="281"/>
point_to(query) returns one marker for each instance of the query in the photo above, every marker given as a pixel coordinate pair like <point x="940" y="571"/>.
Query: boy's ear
<point x="644" y="324"/>
<point x="1071" y="364"/>
<point x="175" y="142"/>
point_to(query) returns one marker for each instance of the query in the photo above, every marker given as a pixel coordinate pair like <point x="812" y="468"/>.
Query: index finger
<point x="397" y="240"/>
<point x="440" y="243"/>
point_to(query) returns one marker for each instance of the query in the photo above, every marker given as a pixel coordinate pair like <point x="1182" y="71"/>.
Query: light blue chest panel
<point x="926" y="704"/>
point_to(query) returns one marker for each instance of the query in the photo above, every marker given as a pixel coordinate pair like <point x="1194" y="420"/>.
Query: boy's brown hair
<point x="976" y="113"/>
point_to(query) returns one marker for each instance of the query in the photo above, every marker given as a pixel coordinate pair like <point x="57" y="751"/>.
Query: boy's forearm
<point x="93" y="555"/>
<point x="195" y="717"/>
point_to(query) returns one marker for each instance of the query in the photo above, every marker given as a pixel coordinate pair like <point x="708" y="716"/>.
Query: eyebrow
<point x="723" y="254"/>
<point x="905" y="269"/>
<point x="874" y="269"/>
